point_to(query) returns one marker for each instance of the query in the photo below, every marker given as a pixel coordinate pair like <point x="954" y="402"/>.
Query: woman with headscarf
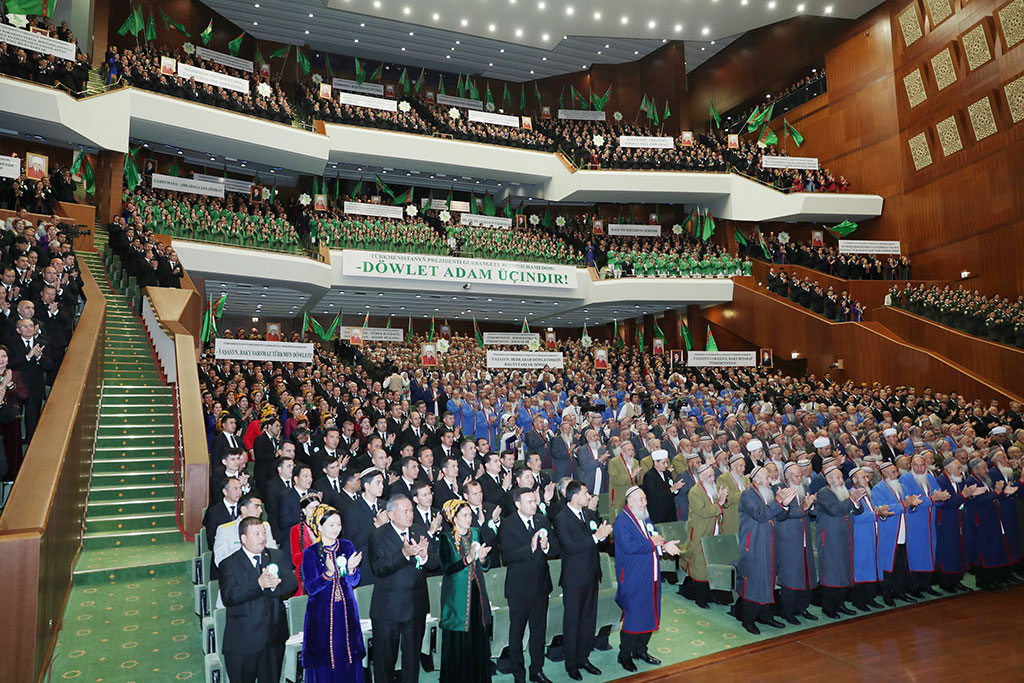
<point x="305" y="533"/>
<point x="332" y="640"/>
<point x="465" y="609"/>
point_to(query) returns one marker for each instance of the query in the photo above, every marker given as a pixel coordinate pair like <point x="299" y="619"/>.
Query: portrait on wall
<point x="428" y="355"/>
<point x="256" y="194"/>
<point x="601" y="358"/>
<point x="545" y="112"/>
<point x="598" y="226"/>
<point x="734" y="141"/>
<point x="766" y="358"/>
<point x="430" y="97"/>
<point x="273" y="331"/>
<point x="687" y="139"/>
<point x="319" y="202"/>
<point x="527" y="122"/>
<point x="551" y="340"/>
<point x="817" y="238"/>
<point x="521" y="221"/>
<point x="325" y="91"/>
<point x="675" y="357"/>
<point x="389" y="91"/>
<point x="168" y="66"/>
<point x="355" y="336"/>
<point x="37" y="166"/>
<point x="375" y="199"/>
<point x="265" y="70"/>
<point x="659" y="346"/>
<point x="653" y="219"/>
<point x="446" y="331"/>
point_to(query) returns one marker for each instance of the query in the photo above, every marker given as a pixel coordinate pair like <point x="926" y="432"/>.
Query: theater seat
<point x="721" y="553"/>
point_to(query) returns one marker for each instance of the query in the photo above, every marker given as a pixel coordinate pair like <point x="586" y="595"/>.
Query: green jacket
<point x="457" y="582"/>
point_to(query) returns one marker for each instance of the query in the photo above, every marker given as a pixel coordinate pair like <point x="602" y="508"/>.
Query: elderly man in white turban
<point x="708" y="502"/>
<point x="755" y="455"/>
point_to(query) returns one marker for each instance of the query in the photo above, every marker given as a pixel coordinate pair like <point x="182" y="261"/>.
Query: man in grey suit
<point x="592" y="461"/>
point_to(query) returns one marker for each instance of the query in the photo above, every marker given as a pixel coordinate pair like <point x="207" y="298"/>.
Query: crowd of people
<point x="532" y="244"/>
<point x="792" y="96"/>
<point x="996" y="318"/>
<point x="141" y="254"/>
<point x="375" y="233"/>
<point x="40" y="293"/>
<point x="235" y="220"/>
<point x="46" y="69"/>
<point x="405" y="119"/>
<point x="377" y="470"/>
<point x="38" y="195"/>
<point x="829" y="260"/>
<point x="140" y="68"/>
<point x="676" y="257"/>
<point x="461" y="128"/>
<point x="746" y="158"/>
<point x="822" y="300"/>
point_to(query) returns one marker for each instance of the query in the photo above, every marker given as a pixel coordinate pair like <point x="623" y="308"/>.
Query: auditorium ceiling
<point x="517" y="40"/>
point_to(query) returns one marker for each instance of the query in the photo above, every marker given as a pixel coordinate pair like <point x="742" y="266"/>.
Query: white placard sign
<point x="441" y="204"/>
<point x="388" y="334"/>
<point x="721" y="359"/>
<point x="366" y="101"/>
<point x="496" y="119"/>
<point x="261" y="351"/>
<point x="188" y="185"/>
<point x="10" y="167"/>
<point x="647" y="141"/>
<point x="230" y="184"/>
<point x="352" y="86"/>
<point x="37" y="42"/>
<point x="501" y="222"/>
<point x="382" y="210"/>
<point x="433" y="268"/>
<point x="639" y="230"/>
<point x="224" y="59"/>
<point x="524" y="360"/>
<point x="581" y="115"/>
<point x="217" y="80"/>
<point x="510" y="338"/>
<point x="803" y="163"/>
<point x="463" y="102"/>
<point x="870" y="247"/>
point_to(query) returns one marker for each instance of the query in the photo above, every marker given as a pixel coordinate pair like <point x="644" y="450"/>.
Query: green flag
<point x="577" y="97"/>
<point x="384" y="188"/>
<point x="310" y="324"/>
<point x="259" y="57"/>
<point x="174" y="169"/>
<point x="207" y="33"/>
<point x="764" y="247"/>
<point x="360" y="72"/>
<point x="709" y="227"/>
<point x="168" y="23"/>
<point x="506" y="97"/>
<point x="358" y="188"/>
<point x="658" y="334"/>
<point x="236" y="45"/>
<point x="792" y="132"/>
<point x="684" y="334"/>
<point x="522" y="98"/>
<point x="133" y="24"/>
<point x="388" y="326"/>
<point x="536" y="93"/>
<point x="82" y="167"/>
<point x="770" y="139"/>
<point x="209" y="325"/>
<point x="131" y="171"/>
<point x="375" y="76"/>
<point x="547" y="221"/>
<point x="526" y="327"/>
<point x="602" y="101"/>
<point x="741" y="239"/>
<point x="479" y="335"/>
<point x="644" y="106"/>
<point x="561" y="98"/>
<point x="419" y="84"/>
<point x="333" y="329"/>
<point x="281" y="53"/>
<point x="714" y="114"/>
<point x="303" y="61"/>
<point x="508" y="208"/>
<point x="151" y="27"/>
<point x="474" y="94"/>
<point x="756" y="119"/>
<point x="30" y="7"/>
<point x="640" y="338"/>
<point x="615" y="333"/>
<point x="488" y="208"/>
<point x="668" y="112"/>
<point x="711" y="345"/>
<point x="460" y="87"/>
<point x="403" y="82"/>
<point x="404" y="198"/>
<point x="327" y="63"/>
<point x="440" y="85"/>
<point x="448" y="201"/>
<point x="488" y="97"/>
<point x="430" y="335"/>
<point x="408" y="336"/>
<point x="843" y="229"/>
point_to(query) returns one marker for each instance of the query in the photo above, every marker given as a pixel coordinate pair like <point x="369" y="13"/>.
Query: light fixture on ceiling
<point x="307" y="32"/>
<point x="492" y="27"/>
<point x="543" y="59"/>
<point x="828" y="10"/>
<point x="652" y="23"/>
<point x="598" y="52"/>
<point x="704" y="31"/>
<point x="569" y="10"/>
<point x="310" y="15"/>
<point x="531" y="71"/>
<point x="771" y="5"/>
<point x="545" y="37"/>
<point x="376" y="3"/>
<point x="597" y="16"/>
<point x="519" y="33"/>
<point x="355" y="40"/>
<point x="403" y="49"/>
<point x="800" y="8"/>
<point x="255" y="23"/>
<point x="624" y="20"/>
<point x="465" y="22"/>
<point x="436" y="16"/>
<point x="502" y="50"/>
<point x="678" y="27"/>
<point x="411" y="33"/>
<point x="407" y="11"/>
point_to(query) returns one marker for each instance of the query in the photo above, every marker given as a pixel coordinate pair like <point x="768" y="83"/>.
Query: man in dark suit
<point x="562" y="452"/>
<point x="272" y="488"/>
<point x="288" y="509"/>
<point x="447" y="485"/>
<point x="660" y="489"/>
<point x="398" y="608"/>
<point x="494" y="481"/>
<point x="330" y="485"/>
<point x="224" y="511"/>
<point x="225" y="438"/>
<point x="30" y="356"/>
<point x="254" y="582"/>
<point x="365" y="514"/>
<point x="536" y="439"/>
<point x="527" y="542"/>
<point x="414" y="433"/>
<point x="351" y="487"/>
<point x="410" y="469"/>
<point x="446" y="448"/>
<point x="264" y="448"/>
<point x="579" y="531"/>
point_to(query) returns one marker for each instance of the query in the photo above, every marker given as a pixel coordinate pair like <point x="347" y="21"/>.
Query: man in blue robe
<point x="865" y="541"/>
<point x="1000" y="471"/>
<point x="921" y="524"/>
<point x="892" y="534"/>
<point x="836" y="505"/>
<point x="795" y="550"/>
<point x="951" y="528"/>
<point x="987" y="550"/>
<point x="638" y="547"/>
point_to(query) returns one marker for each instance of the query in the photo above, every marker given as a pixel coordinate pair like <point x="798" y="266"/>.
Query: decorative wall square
<point x="982" y="119"/>
<point x="942" y="67"/>
<point x="949" y="136"/>
<point x="919" y="151"/>
<point x="910" y="25"/>
<point x="1015" y="98"/>
<point x="940" y="11"/>
<point x="976" y="47"/>
<point x="1011" y="18"/>
<point x="914" y="83"/>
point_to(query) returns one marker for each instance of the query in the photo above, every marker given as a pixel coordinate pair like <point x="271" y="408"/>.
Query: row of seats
<point x="120" y="279"/>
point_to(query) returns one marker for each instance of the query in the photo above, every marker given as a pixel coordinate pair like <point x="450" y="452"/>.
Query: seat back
<point x="296" y="608"/>
<point x="721" y="552"/>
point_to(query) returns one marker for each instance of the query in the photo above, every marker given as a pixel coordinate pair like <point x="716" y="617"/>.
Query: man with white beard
<point x="866" y="573"/>
<point x="797" y="574"/>
<point x="892" y="534"/>
<point x="836" y="504"/>
<point x="950" y="522"/>
<point x="986" y="534"/>
<point x="706" y="450"/>
<point x="1000" y="471"/>
<point x="688" y="475"/>
<point x="921" y="523"/>
<point x="592" y="458"/>
<point x="736" y="482"/>
<point x="760" y="509"/>
<point x="708" y="502"/>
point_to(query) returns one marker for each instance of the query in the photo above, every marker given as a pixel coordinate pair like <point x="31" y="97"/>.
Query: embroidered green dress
<point x="465" y="612"/>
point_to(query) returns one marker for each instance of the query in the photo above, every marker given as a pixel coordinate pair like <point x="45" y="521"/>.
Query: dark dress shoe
<point x="702" y="604"/>
<point x="574" y="674"/>
<point x="846" y="610"/>
<point x="646" y="657"/>
<point x="862" y="608"/>
<point x="627" y="664"/>
<point x="907" y="598"/>
<point x="590" y="668"/>
<point x="752" y="628"/>
<point x="773" y="622"/>
<point x="889" y="602"/>
<point x="831" y="615"/>
<point x="793" y="620"/>
<point x="539" y="677"/>
<point x="961" y="587"/>
<point x="808" y="616"/>
<point x="874" y="604"/>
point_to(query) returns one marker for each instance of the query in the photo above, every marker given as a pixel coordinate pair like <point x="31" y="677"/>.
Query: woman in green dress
<point x="465" y="609"/>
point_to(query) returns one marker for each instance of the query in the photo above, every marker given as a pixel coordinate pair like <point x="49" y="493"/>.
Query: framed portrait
<point x="389" y="91"/>
<point x="675" y="357"/>
<point x="734" y="141"/>
<point x="325" y="91"/>
<point x="766" y="358"/>
<point x="598" y="226"/>
<point x="428" y="355"/>
<point x="40" y="30"/>
<point x="168" y="66"/>
<point x="653" y="219"/>
<point x="521" y="221"/>
<point x="355" y="336"/>
<point x="550" y="340"/>
<point x="545" y="112"/>
<point x="446" y="331"/>
<point x="659" y="346"/>
<point x="601" y="358"/>
<point x="265" y="70"/>
<point x="375" y="199"/>
<point x="273" y="331"/>
<point x="319" y="202"/>
<point x="527" y="122"/>
<point x="37" y="165"/>
<point x="256" y="194"/>
<point x="687" y="140"/>
<point x="431" y="97"/>
<point x="817" y="238"/>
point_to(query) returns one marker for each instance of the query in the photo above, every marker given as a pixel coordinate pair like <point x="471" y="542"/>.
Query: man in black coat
<point x="264" y="448"/>
<point x="30" y="356"/>
<point x="399" y="552"/>
<point x="527" y="543"/>
<point x="660" y="490"/>
<point x="254" y="582"/>
<point x="579" y="531"/>
<point x="363" y="516"/>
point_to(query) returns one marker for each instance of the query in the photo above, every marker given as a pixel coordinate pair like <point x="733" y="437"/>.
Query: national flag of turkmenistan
<point x="711" y="345"/>
<point x="366" y="320"/>
<point x="640" y="338"/>
<point x="168" y="23"/>
<point x="384" y="188"/>
<point x="479" y="335"/>
<point x="303" y="61"/>
<point x="360" y="72"/>
<point x="403" y="82"/>
<point x="615" y="333"/>
<point x="388" y="326"/>
<point x="333" y="329"/>
<point x="755" y="120"/>
<point x="236" y="45"/>
<point x="207" y="33"/>
<point x="430" y="335"/>
<point x="714" y="114"/>
<point x="684" y="334"/>
<point x="843" y="229"/>
<point x="526" y="327"/>
<point x="792" y="132"/>
<point x="404" y="198"/>
<point x="375" y="76"/>
<point x="658" y="334"/>
<point x="408" y="336"/>
<point x="30" y="7"/>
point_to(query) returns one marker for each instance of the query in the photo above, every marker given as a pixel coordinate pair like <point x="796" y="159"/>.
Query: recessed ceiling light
<point x="636" y="52"/>
<point x="465" y="22"/>
<point x="411" y="33"/>
<point x="255" y="23"/>
<point x="447" y="56"/>
<point x="771" y="5"/>
<point x="376" y="3"/>
<point x="403" y="49"/>
<point x="257" y="5"/>
<point x="597" y="16"/>
<point x="362" y="24"/>
<point x="541" y="5"/>
<point x="799" y="8"/>
<point x="584" y="66"/>
<point x="624" y="20"/>
<point x="406" y="10"/>
<point x="531" y="71"/>
<point x="491" y="27"/>
<point x="545" y="37"/>
<point x="712" y="42"/>
<point x="436" y="16"/>
<point x="543" y="59"/>
<point x="490" y="63"/>
<point x="355" y="40"/>
<point x="704" y="31"/>
<point x="307" y="32"/>
<point x="310" y="15"/>
<point x="828" y="10"/>
<point x="458" y="42"/>
<point x="598" y="52"/>
<point x="519" y="33"/>
<point x="502" y="50"/>
<point x="679" y="27"/>
<point x="652" y="23"/>
<point x="570" y="11"/>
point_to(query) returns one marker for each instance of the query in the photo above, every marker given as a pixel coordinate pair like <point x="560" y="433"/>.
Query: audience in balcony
<point x="799" y="92"/>
<point x="142" y="255"/>
<point x="373" y="233"/>
<point x="747" y="160"/>
<point x="140" y="68"/>
<point x="332" y="111"/>
<point x="462" y="128"/>
<point x="829" y="260"/>
<point x="46" y="69"/>
<point x="809" y="294"/>
<point x="529" y="244"/>
<point x="996" y="318"/>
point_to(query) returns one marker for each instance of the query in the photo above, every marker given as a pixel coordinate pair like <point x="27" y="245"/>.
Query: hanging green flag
<point x="714" y="114"/>
<point x="536" y="93"/>
<point x="658" y="334"/>
<point x="770" y="139"/>
<point x="709" y="226"/>
<point x="506" y="97"/>
<point x="488" y="208"/>
<point x="174" y="172"/>
<point x="388" y="326"/>
<point x="741" y="239"/>
<point x="843" y="229"/>
<point x="316" y="185"/>
<point x="474" y="94"/>
<point x="479" y="335"/>
<point x="448" y="201"/>
<point x="756" y="119"/>
<point x="209" y="325"/>
<point x="151" y="27"/>
<point x="281" y="52"/>
<point x="360" y="72"/>
<point x="460" y="87"/>
<point x="131" y="171"/>
<point x="584" y="335"/>
<point x="235" y="46"/>
<point x="419" y="81"/>
<point x="440" y="85"/>
<point x="358" y="188"/>
<point x="711" y="345"/>
<point x="667" y="113"/>
<point x="384" y="188"/>
<point x="408" y="336"/>
<point x="522" y="98"/>
<point x="259" y="56"/>
<point x="403" y="82"/>
<point x="792" y="132"/>
<point x="303" y="61"/>
<point x="577" y="97"/>
<point x="207" y="33"/>
<point x="133" y="24"/>
<point x="488" y="98"/>
<point x="327" y="63"/>
<point x="508" y="208"/>
<point x="547" y="221"/>
<point x="640" y="338"/>
<point x="430" y="335"/>
<point x="168" y="23"/>
<point x="684" y="334"/>
<point x="652" y="112"/>
<point x="333" y="329"/>
<point x="615" y="333"/>
<point x="526" y="327"/>
<point x="311" y="324"/>
<point x="644" y="106"/>
<point x="764" y="247"/>
<point x="602" y="101"/>
<point x="561" y="98"/>
<point x="404" y="198"/>
<point x="375" y="76"/>
<point x="83" y="168"/>
<point x="37" y="8"/>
